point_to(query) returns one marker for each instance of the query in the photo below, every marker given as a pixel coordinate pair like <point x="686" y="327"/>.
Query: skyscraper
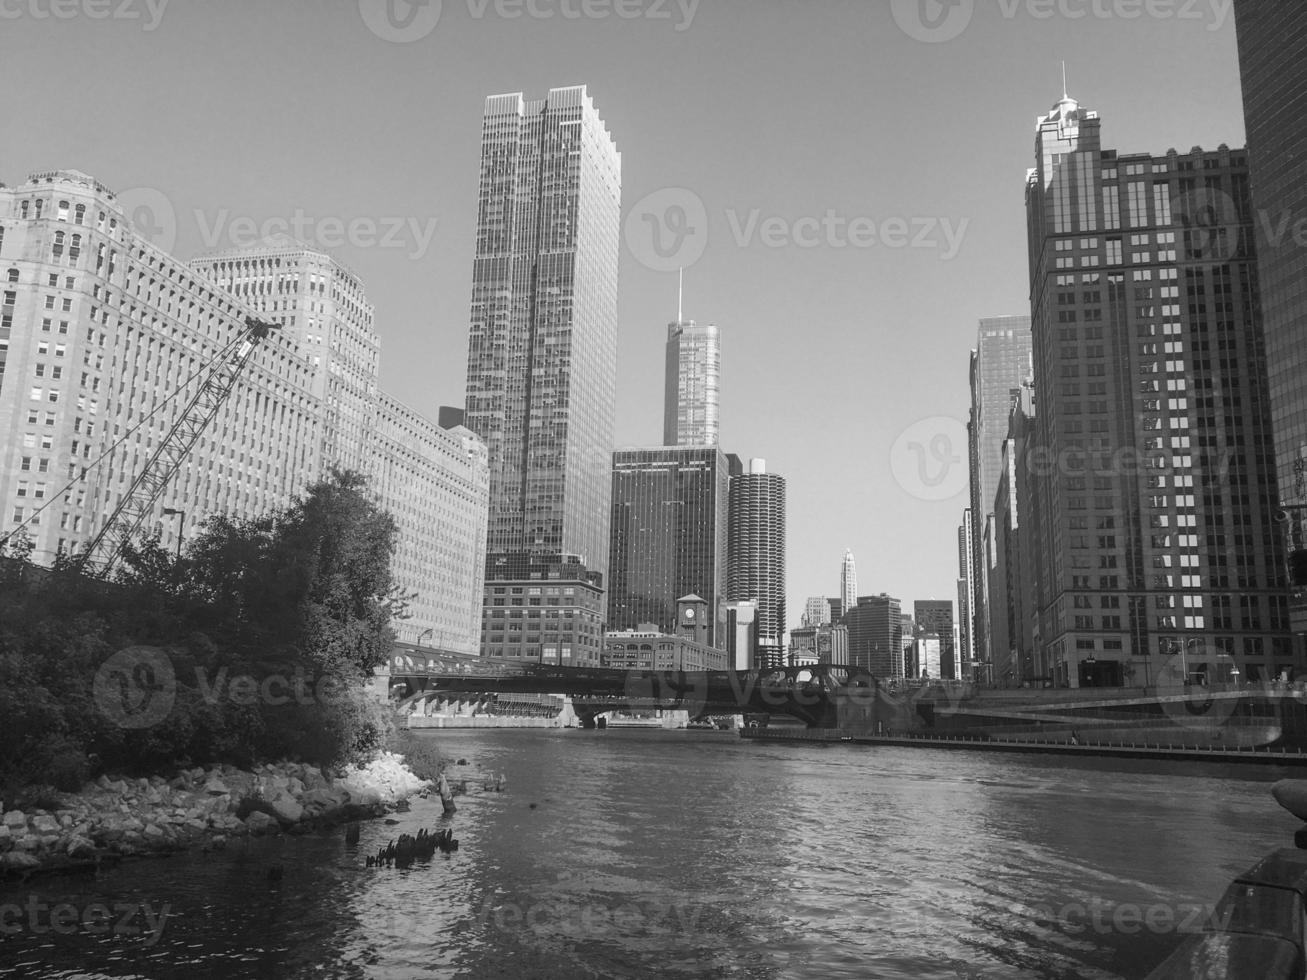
<point x="848" y="582"/>
<point x="935" y="616"/>
<point x="1157" y="551"/>
<point x="756" y="554"/>
<point x="1273" y="61"/>
<point x="999" y="363"/>
<point x="693" y="383"/>
<point x="966" y="588"/>
<point x="542" y="347"/>
<point x="876" y="636"/>
<point x="669" y="536"/>
<point x="816" y="611"/>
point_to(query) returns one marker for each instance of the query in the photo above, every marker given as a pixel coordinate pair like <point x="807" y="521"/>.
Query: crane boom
<point x="138" y="502"/>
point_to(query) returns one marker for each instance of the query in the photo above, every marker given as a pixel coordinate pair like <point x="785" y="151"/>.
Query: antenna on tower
<point x="1064" y="92"/>
<point x="680" y="295"/>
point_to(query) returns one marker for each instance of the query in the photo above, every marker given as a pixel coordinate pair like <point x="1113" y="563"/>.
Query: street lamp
<point x="430" y="630"/>
<point x="181" y="526"/>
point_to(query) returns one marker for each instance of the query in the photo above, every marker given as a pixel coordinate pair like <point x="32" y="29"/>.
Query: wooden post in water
<point x="446" y="797"/>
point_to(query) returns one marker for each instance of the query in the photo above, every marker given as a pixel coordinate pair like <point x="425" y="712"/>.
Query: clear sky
<point x="841" y="341"/>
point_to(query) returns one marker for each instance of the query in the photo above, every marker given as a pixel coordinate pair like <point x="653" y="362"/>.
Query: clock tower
<point x="692" y="619"/>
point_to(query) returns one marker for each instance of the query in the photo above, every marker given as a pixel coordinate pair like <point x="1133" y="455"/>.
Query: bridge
<point x="821" y="696"/>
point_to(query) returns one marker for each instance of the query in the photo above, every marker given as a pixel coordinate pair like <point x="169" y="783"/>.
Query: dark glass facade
<point x="668" y="536"/>
<point x="1273" y="61"/>
<point x="876" y="636"/>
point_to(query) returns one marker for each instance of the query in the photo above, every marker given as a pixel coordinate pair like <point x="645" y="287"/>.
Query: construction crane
<point x="137" y="504"/>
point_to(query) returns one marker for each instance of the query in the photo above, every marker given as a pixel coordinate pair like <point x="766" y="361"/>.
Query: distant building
<point x="848" y="582"/>
<point x="875" y="627"/>
<point x="742" y="635"/>
<point x="669" y="535"/>
<point x="935" y="617"/>
<point x="546" y="609"/>
<point x="756" y="554"/>
<point x="816" y="611"/>
<point x="966" y="589"/>
<point x="822" y="644"/>
<point x="929" y="656"/>
<point x="693" y="384"/>
<point x="649" y="648"/>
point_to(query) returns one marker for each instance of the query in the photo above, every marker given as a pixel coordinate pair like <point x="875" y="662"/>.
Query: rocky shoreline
<point x="111" y="819"/>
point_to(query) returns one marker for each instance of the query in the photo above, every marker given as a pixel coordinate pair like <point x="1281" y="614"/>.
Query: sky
<point x="842" y="180"/>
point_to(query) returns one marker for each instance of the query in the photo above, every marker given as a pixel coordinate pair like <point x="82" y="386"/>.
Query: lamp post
<point x="429" y="631"/>
<point x="181" y="526"/>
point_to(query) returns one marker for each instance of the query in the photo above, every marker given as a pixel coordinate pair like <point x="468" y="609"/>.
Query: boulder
<point x="259" y="822"/>
<point x="80" y="847"/>
<point x="45" y="824"/>
<point x="286" y="809"/>
<point x="216" y="787"/>
<point x="18" y="861"/>
<point x="154" y="832"/>
<point x="1292" y="795"/>
<point x="15" y="819"/>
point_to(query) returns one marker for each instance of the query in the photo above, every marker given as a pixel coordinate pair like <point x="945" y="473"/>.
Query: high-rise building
<point x="1273" y="63"/>
<point x="100" y="328"/>
<point x="669" y="536"/>
<point x="693" y="383"/>
<point x="548" y="609"/>
<point x="756" y="554"/>
<point x="935" y="617"/>
<point x="875" y="627"/>
<point x="1012" y="583"/>
<point x="966" y="590"/>
<point x="816" y="611"/>
<point x="1158" y="554"/>
<point x="848" y="581"/>
<point x="542" y="348"/>
<point x="1000" y="362"/>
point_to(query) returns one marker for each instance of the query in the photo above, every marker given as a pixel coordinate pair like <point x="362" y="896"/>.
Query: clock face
<point x="689" y="614"/>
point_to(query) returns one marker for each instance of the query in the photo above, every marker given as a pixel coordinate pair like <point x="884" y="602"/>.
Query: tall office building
<point x="875" y="627"/>
<point x="1154" y="476"/>
<point x="693" y="383"/>
<point x="542" y="348"/>
<point x="756" y="554"/>
<point x="816" y="611"/>
<point x="98" y="328"/>
<point x="1273" y="61"/>
<point x="669" y="536"/>
<point x="848" y="582"/>
<point x="966" y="589"/>
<point x="935" y="617"/>
<point x="999" y="363"/>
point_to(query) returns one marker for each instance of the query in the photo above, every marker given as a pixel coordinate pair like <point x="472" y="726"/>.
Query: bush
<point x="420" y="753"/>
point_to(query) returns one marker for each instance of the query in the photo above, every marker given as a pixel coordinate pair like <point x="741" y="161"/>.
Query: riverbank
<point x="1128" y="750"/>
<point x="112" y="819"/>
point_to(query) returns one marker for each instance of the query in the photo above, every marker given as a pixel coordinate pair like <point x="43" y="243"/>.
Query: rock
<point x="45" y="824"/>
<point x="80" y="846"/>
<point x="18" y="861"/>
<point x="216" y="787"/>
<point x="286" y="809"/>
<point x="15" y="818"/>
<point x="295" y="786"/>
<point x="1292" y="795"/>
<point x="259" y="822"/>
<point x="196" y="825"/>
<point x="154" y="832"/>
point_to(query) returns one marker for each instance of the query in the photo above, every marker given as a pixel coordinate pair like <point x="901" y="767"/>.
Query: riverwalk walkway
<point x="1127" y="750"/>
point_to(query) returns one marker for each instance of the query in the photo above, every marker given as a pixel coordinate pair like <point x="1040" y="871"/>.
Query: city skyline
<point x="422" y="301"/>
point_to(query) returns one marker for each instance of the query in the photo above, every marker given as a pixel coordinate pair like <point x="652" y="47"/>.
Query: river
<point x="696" y="854"/>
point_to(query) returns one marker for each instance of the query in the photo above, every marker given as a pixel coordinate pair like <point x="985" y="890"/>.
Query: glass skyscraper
<point x="542" y="348"/>
<point x="690" y="407"/>
<point x="756" y="555"/>
<point x="1273" y="61"/>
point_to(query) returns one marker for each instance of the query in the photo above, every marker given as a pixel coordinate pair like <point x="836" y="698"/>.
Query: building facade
<point x="816" y="611"/>
<point x="669" y="535"/>
<point x="966" y="590"/>
<point x="109" y="328"/>
<point x="875" y="628"/>
<point x="542" y="346"/>
<point x="693" y="384"/>
<point x="1158" y="554"/>
<point x="1000" y="362"/>
<point x="934" y="617"/>
<point x="1273" y="64"/>
<point x="848" y="581"/>
<point x="756" y="554"/>
<point x="545" y="609"/>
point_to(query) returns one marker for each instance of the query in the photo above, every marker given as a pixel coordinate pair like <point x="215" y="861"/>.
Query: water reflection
<point x="691" y="855"/>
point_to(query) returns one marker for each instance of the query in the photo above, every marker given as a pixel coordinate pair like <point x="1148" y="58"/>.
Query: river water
<point x="688" y="854"/>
